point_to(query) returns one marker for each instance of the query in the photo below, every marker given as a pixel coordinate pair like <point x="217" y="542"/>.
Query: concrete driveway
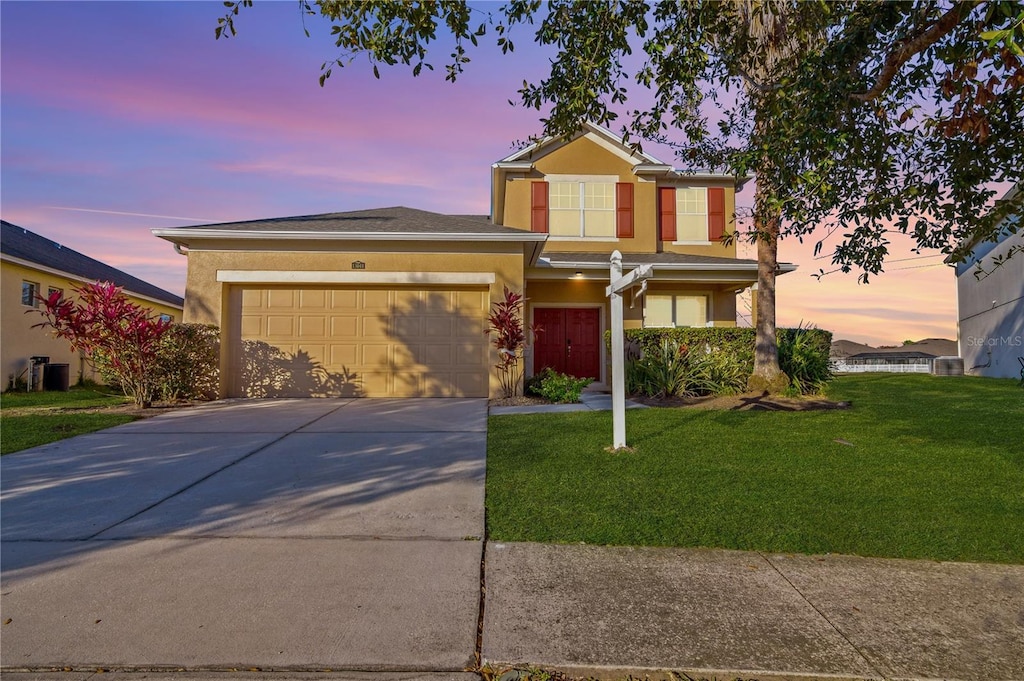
<point x="301" y="534"/>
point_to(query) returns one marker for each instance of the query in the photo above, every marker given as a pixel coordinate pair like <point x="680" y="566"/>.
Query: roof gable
<point x="28" y="247"/>
<point x="643" y="164"/>
<point x="601" y="136"/>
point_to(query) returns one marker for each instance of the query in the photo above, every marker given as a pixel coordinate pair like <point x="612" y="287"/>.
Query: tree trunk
<point x="767" y="375"/>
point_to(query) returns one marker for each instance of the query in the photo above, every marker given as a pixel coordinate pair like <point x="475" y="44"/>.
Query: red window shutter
<point x="716" y="213"/>
<point x="624" y="210"/>
<point x="667" y="213"/>
<point x="539" y="207"/>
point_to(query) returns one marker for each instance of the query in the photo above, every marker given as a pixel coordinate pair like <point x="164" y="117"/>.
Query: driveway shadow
<point x="347" y="477"/>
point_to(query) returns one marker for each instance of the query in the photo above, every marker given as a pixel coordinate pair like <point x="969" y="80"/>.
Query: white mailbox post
<point x="619" y="285"/>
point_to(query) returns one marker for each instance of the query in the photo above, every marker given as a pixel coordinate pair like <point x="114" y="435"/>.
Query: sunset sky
<point x="118" y="118"/>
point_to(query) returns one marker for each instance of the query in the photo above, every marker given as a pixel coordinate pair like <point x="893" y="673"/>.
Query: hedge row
<point x="803" y="352"/>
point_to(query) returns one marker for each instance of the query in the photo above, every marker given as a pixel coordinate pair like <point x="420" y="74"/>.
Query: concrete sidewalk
<point x="615" y="611"/>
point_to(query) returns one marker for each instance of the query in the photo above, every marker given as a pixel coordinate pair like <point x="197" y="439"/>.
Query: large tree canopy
<point x="859" y="119"/>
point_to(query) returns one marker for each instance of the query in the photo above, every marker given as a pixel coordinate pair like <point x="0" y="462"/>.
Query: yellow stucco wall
<point x="590" y="293"/>
<point x="721" y="312"/>
<point x="718" y="250"/>
<point x="583" y="156"/>
<point x="213" y="302"/>
<point x="20" y="341"/>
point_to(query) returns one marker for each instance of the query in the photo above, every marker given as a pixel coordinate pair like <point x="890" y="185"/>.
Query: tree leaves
<point x="107" y="326"/>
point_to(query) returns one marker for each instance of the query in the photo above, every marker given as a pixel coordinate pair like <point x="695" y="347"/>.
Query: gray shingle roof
<point x="394" y="220"/>
<point x="846" y="348"/>
<point x="635" y="259"/>
<point x="927" y="348"/>
<point x="894" y="355"/>
<point x="18" y="242"/>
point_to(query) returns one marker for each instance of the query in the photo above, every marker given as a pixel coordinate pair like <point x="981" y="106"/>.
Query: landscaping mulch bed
<point x="517" y="401"/>
<point x="745" y="402"/>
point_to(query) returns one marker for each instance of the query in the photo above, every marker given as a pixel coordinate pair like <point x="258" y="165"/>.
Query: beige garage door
<point x="370" y="342"/>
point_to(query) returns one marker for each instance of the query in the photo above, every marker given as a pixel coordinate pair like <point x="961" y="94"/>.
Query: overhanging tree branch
<point x="915" y="44"/>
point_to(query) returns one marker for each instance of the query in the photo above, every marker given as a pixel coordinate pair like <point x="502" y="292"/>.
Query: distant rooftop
<point x="18" y="242"/>
<point x="922" y="349"/>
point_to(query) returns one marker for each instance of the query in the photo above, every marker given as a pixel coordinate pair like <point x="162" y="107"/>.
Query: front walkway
<point x="595" y="397"/>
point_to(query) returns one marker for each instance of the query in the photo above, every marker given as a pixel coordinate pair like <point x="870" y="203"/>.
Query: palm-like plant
<point x="509" y="336"/>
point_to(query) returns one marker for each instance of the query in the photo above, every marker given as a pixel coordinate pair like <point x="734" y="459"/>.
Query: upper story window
<point x="597" y="207"/>
<point x="30" y="293"/>
<point x="691" y="214"/>
<point x="167" y="318"/>
<point x="54" y="289"/>
<point x="583" y="209"/>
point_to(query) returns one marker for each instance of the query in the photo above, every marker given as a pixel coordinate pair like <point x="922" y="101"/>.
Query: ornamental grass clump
<point x="661" y="371"/>
<point x="804" y="357"/>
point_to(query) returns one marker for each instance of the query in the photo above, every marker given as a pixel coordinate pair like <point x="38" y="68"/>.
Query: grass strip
<point x="29" y="419"/>
<point x="31" y="430"/>
<point x="78" y="397"/>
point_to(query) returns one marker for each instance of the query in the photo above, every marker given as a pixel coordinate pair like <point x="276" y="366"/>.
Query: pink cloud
<point x="353" y="108"/>
<point x="911" y="299"/>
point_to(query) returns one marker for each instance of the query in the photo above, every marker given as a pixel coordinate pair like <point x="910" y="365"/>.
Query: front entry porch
<point x="569" y="342"/>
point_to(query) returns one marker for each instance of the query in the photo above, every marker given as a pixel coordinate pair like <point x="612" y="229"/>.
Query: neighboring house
<point x="394" y="301"/>
<point x="33" y="265"/>
<point x="990" y="301"/>
<point x="842" y="349"/>
<point x="849" y="357"/>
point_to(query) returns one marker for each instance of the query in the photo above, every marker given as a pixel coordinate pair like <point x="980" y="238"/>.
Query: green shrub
<point x="803" y="356"/>
<point x="556" y="387"/>
<point x="661" y="371"/>
<point x="532" y="384"/>
<point x="718" y="373"/>
<point x="561" y="388"/>
<point x="188" y="362"/>
<point x="719" y="360"/>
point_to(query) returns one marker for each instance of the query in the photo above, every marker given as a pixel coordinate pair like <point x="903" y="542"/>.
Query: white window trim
<point x="36" y="290"/>
<point x="338" y="277"/>
<point x="580" y="181"/>
<point x="693" y="242"/>
<point x="709" y="302"/>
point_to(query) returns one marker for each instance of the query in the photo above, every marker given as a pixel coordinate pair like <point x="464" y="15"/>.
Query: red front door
<point x="569" y="341"/>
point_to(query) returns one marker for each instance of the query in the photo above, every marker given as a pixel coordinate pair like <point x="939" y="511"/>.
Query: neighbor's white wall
<point x="992" y="313"/>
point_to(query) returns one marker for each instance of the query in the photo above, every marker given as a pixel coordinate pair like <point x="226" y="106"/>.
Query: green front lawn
<point x="32" y="419"/>
<point x="920" y="467"/>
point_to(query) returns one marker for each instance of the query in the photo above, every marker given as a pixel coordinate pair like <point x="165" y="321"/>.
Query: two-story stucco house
<point x="33" y="266"/>
<point x="395" y="300"/>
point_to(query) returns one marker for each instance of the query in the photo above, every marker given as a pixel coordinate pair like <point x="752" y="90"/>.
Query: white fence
<point x="844" y="368"/>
